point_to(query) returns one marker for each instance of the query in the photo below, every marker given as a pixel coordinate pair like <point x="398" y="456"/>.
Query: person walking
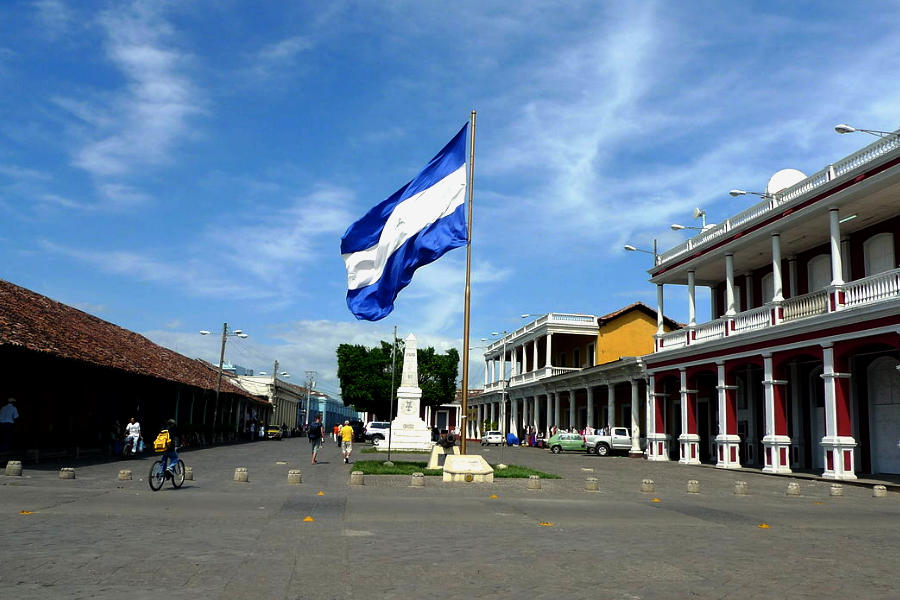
<point x="8" y="416"/>
<point x="316" y="435"/>
<point x="346" y="441"/>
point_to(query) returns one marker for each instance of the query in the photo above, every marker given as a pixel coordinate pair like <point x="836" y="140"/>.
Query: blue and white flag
<point x="415" y="226"/>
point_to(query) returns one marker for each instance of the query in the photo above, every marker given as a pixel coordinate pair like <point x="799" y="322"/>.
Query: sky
<point x="173" y="166"/>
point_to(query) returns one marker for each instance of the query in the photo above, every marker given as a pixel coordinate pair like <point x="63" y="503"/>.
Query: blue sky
<point x="169" y="166"/>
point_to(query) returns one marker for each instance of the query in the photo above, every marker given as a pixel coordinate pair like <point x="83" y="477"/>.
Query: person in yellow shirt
<point x="346" y="441"/>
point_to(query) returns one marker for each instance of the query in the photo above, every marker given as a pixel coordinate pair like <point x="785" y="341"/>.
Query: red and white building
<point x="798" y="368"/>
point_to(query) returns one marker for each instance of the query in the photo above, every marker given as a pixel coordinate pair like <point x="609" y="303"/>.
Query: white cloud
<point x="54" y="16"/>
<point x="145" y="121"/>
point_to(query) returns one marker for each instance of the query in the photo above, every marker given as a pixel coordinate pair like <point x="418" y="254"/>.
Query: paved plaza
<point x="97" y="537"/>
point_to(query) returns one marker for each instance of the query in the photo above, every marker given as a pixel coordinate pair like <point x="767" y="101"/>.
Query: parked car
<point x="571" y="442"/>
<point x="492" y="437"/>
<point x="377" y="430"/>
<point x="273" y="433"/>
<point x="359" y="430"/>
<point x="602" y="444"/>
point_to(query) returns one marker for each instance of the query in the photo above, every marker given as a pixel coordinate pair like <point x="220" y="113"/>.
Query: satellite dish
<point x="699" y="212"/>
<point x="783" y="179"/>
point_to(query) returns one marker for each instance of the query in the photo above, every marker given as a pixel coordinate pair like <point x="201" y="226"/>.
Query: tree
<point x="365" y="376"/>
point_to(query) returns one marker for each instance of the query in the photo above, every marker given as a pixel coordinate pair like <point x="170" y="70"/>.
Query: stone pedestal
<point x="728" y="451"/>
<point x="657" y="446"/>
<point x="690" y="448"/>
<point x="14" y="468"/>
<point x="467" y="468"/>
<point x="777" y="454"/>
<point x="840" y="456"/>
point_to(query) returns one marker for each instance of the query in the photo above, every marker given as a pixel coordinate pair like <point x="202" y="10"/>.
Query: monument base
<point x="467" y="468"/>
<point x="407" y="434"/>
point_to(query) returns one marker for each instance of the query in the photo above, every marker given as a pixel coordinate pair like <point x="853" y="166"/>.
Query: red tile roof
<point x="642" y="307"/>
<point x="35" y="322"/>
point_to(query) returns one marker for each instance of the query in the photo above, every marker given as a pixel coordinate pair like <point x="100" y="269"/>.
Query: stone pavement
<point x="97" y="537"/>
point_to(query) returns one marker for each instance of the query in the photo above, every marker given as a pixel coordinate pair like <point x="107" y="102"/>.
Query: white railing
<point x="753" y="319"/>
<point x="673" y="339"/>
<point x="872" y="288"/>
<point x="763" y="209"/>
<point x="563" y="370"/>
<point x="807" y="305"/>
<point x="712" y="330"/>
<point x="541" y="373"/>
<point x="568" y="318"/>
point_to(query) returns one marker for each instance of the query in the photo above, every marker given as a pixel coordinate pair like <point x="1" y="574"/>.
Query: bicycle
<point x="159" y="473"/>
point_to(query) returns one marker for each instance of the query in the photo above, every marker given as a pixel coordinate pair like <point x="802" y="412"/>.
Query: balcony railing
<point x="807" y="305"/>
<point x="862" y="292"/>
<point x="768" y="207"/>
<point x="872" y="289"/>
<point x="563" y="318"/>
<point x="532" y="376"/>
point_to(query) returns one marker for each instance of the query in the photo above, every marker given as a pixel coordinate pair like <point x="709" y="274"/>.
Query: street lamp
<point x="736" y="193"/>
<point x="630" y="248"/>
<point x="844" y="128"/>
<point x="225" y="334"/>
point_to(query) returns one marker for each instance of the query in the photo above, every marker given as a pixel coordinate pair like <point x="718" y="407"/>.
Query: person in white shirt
<point x="133" y="433"/>
<point x="8" y="415"/>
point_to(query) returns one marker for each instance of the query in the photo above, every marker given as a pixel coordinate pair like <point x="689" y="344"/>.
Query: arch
<point x="818" y="272"/>
<point x="878" y="253"/>
<point x="883" y="395"/>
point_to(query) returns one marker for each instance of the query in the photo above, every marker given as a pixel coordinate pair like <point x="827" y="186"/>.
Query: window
<point x="878" y="252"/>
<point x="818" y="272"/>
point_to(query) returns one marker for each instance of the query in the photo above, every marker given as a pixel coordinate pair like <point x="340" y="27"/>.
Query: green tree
<point x="365" y="376"/>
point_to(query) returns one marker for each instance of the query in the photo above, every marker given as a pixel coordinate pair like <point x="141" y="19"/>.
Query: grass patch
<point x="408" y="467"/>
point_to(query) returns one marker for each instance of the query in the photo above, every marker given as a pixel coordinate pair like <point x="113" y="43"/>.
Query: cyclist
<point x="170" y="455"/>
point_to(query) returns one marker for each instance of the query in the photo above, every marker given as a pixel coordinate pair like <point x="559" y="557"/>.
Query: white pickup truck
<point x="618" y="439"/>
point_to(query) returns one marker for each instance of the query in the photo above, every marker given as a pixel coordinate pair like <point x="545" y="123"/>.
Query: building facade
<point x="571" y="371"/>
<point x="797" y="368"/>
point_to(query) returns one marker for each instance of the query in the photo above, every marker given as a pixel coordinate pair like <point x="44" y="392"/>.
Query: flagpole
<point x="465" y="375"/>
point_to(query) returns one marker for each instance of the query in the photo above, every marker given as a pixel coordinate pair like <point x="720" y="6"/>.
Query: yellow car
<point x="273" y="433"/>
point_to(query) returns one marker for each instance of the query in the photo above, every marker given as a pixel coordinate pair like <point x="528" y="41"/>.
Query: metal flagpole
<point x="465" y="374"/>
<point x="393" y="394"/>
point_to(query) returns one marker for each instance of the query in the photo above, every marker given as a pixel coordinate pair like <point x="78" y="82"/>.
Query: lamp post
<point x="736" y="193"/>
<point x="630" y="248"/>
<point x="844" y="128"/>
<point x="225" y="334"/>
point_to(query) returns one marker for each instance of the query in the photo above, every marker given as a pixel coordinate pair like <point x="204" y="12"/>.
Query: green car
<point x="566" y="441"/>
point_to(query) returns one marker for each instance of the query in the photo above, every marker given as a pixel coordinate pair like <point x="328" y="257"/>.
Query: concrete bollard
<point x="125" y="475"/>
<point x="417" y="480"/>
<point x="241" y="475"/>
<point x="188" y="473"/>
<point x="534" y="482"/>
<point x="295" y="476"/>
<point x="14" y="468"/>
<point x="592" y="484"/>
<point x="740" y="488"/>
<point x="357" y="478"/>
<point x="879" y="491"/>
<point x="836" y="490"/>
<point x="793" y="489"/>
<point x="693" y="486"/>
<point x="67" y="473"/>
<point x="647" y="486"/>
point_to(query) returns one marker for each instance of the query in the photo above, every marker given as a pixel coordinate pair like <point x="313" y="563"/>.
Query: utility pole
<point x="219" y="378"/>
<point x="275" y="390"/>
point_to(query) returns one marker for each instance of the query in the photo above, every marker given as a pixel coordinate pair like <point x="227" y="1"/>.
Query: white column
<point x="839" y="450"/>
<point x="549" y="350"/>
<point x="836" y="263"/>
<point x="845" y="259"/>
<point x="571" y="409"/>
<point x="590" y="407"/>
<point x="727" y="445"/>
<point x="493" y="412"/>
<point x="556" y="402"/>
<point x="513" y="425"/>
<point x="729" y="285"/>
<point x="610" y="405"/>
<point x="713" y="297"/>
<point x="778" y="292"/>
<point x="689" y="443"/>
<point x="774" y="461"/>
<point x="635" y="420"/>
<point x="549" y="420"/>
<point x="502" y="366"/>
<point x="692" y="306"/>
<point x="660" y="308"/>
<point x="536" y="413"/>
<point x="748" y="291"/>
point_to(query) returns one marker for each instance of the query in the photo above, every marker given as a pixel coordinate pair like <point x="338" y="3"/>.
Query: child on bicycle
<point x="170" y="455"/>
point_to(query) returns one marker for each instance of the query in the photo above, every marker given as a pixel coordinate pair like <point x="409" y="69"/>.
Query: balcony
<point x="868" y="291"/>
<point x="783" y="200"/>
<point x="565" y="321"/>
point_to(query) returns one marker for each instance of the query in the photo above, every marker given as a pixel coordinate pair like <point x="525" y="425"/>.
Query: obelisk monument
<point x="408" y="430"/>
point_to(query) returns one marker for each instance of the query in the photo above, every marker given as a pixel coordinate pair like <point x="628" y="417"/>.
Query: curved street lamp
<point x="225" y="333"/>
